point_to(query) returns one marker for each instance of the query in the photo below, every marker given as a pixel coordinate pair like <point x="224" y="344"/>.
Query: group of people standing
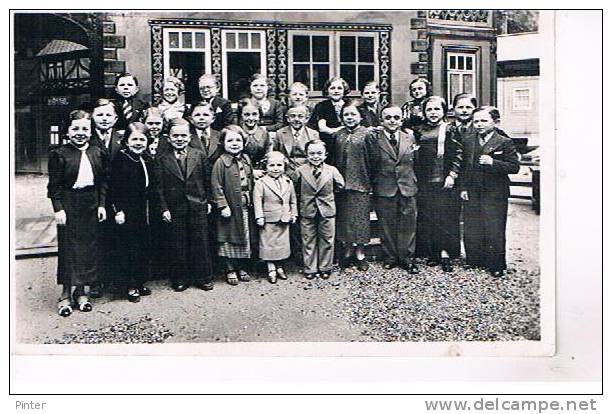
<point x="179" y="190"/>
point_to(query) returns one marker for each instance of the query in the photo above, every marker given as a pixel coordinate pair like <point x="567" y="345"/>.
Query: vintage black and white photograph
<point x="240" y="177"/>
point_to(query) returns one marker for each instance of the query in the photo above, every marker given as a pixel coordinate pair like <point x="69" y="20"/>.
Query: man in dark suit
<point x="485" y="187"/>
<point x="130" y="108"/>
<point x="224" y="114"/>
<point x="181" y="183"/>
<point x="106" y="137"/>
<point x="394" y="185"/>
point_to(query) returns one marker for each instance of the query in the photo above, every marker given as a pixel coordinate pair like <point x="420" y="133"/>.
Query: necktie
<point x="482" y="141"/>
<point x="205" y="140"/>
<point x="106" y="137"/>
<point x="180" y="157"/>
<point x="127" y="110"/>
<point x="392" y="140"/>
<point x="316" y="173"/>
<point x="462" y="129"/>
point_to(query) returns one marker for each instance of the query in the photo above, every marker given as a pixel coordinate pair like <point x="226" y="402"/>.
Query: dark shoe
<point x="83" y="304"/>
<point x="389" y="263"/>
<point x="497" y="273"/>
<point x="310" y="276"/>
<point x="144" y="291"/>
<point x="363" y="265"/>
<point x="206" y="285"/>
<point x="64" y="307"/>
<point x="133" y="295"/>
<point x="95" y="291"/>
<point x="345" y="262"/>
<point x="446" y="265"/>
<point x="325" y="275"/>
<point x="179" y="286"/>
<point x="410" y="267"/>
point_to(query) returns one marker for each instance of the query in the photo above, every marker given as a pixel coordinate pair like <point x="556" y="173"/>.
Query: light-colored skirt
<point x="274" y="241"/>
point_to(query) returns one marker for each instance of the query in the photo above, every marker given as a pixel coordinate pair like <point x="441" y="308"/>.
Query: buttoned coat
<point x="273" y="204"/>
<point x="227" y="192"/>
<point x="114" y="146"/>
<point x="317" y="196"/>
<point x="392" y="171"/>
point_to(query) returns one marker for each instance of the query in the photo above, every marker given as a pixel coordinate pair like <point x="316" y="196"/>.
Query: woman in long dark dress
<point x="438" y="166"/>
<point x="77" y="189"/>
<point x="351" y="154"/>
<point x="129" y="183"/>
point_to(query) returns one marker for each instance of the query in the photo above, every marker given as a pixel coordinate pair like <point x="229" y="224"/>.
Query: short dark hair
<point x="469" y="96"/>
<point x="370" y="83"/>
<point x="75" y="115"/>
<point x="313" y="142"/>
<point x="125" y="75"/>
<point x="354" y="103"/>
<point x="493" y="111"/>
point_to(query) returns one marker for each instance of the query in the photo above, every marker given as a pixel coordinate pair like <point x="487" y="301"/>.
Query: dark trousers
<point x="397" y="216"/>
<point x="438" y="221"/>
<point x="133" y="247"/>
<point x="77" y="241"/>
<point x="485" y="216"/>
<point x="189" y="248"/>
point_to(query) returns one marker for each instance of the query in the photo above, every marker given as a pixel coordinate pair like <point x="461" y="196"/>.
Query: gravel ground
<point x="379" y="305"/>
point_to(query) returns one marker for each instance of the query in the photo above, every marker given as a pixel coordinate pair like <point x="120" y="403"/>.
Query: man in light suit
<point x="393" y="153"/>
<point x="292" y="139"/>
<point x="316" y="183"/>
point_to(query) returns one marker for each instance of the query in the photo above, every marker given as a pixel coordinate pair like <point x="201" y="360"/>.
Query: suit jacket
<point x="285" y="143"/>
<point x="392" y="171"/>
<point x="173" y="189"/>
<point x="318" y="197"/>
<point x="115" y="144"/>
<point x="138" y="108"/>
<point x="63" y="166"/>
<point x="227" y="192"/>
<point x="369" y="118"/>
<point x="490" y="177"/>
<point x="213" y="144"/>
<point x="274" y="204"/>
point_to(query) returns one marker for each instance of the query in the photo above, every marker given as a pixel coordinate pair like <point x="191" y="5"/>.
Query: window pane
<point x="301" y="49"/>
<point x="187" y="38"/>
<point x="366" y="49"/>
<point x="460" y="63"/>
<point x="173" y="38"/>
<point x="366" y="74"/>
<point x="452" y="64"/>
<point x="320" y="48"/>
<point x="230" y="40"/>
<point x="347" y="49"/>
<point x="469" y="62"/>
<point x="347" y="72"/>
<point x="319" y="76"/>
<point x="200" y="42"/>
<point x="468" y="83"/>
<point x="243" y="40"/>
<point x="255" y="41"/>
<point x="454" y="85"/>
<point x="301" y="73"/>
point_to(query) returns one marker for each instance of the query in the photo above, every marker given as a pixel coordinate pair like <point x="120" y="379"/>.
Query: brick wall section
<point x="112" y="66"/>
<point x="421" y="45"/>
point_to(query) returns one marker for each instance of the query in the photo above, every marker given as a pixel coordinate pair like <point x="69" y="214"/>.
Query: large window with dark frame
<point x="316" y="56"/>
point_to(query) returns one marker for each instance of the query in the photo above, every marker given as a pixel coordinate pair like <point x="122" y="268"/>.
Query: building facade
<point x="454" y="49"/>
